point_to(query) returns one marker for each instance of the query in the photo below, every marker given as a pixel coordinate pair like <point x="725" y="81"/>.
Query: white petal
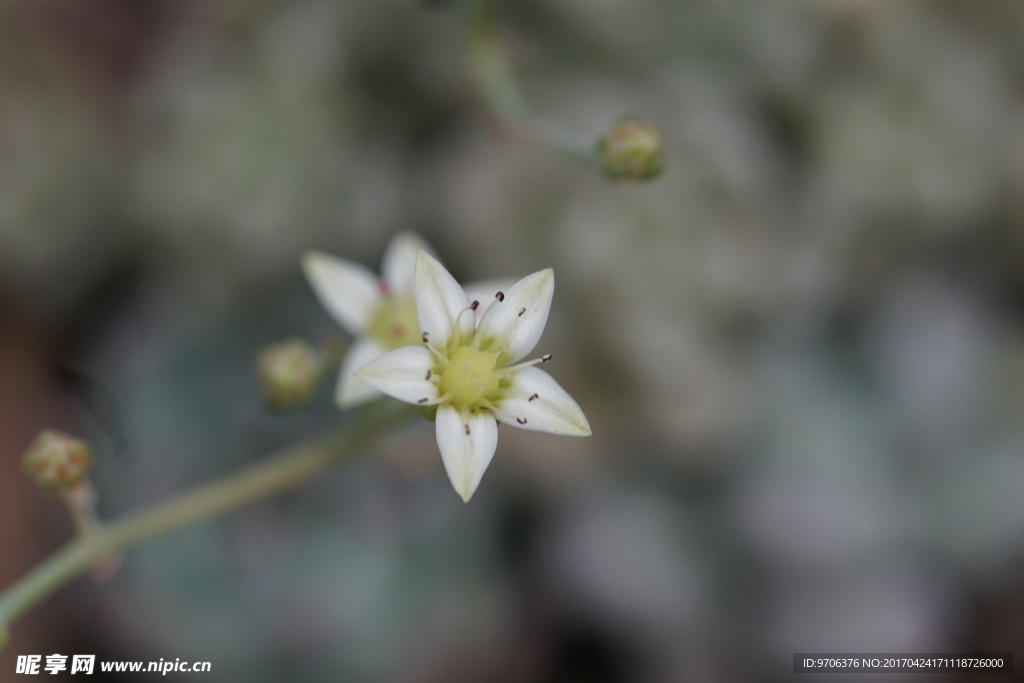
<point x="347" y="290"/>
<point x="550" y="410"/>
<point x="403" y="373"/>
<point x="439" y="302"/>
<point x="400" y="260"/>
<point x="484" y="291"/>
<point x="518" y="319"/>
<point x="354" y="390"/>
<point x="467" y="444"/>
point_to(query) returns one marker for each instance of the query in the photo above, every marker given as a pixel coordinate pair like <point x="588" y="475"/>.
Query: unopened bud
<point x="631" y="151"/>
<point x="289" y="374"/>
<point x="56" y="461"/>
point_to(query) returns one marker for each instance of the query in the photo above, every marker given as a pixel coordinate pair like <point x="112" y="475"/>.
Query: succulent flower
<point x="471" y="369"/>
<point x="380" y="312"/>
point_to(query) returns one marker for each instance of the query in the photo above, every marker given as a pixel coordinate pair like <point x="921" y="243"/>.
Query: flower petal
<point x="467" y="442"/>
<point x="517" y="319"/>
<point x="484" y="291"/>
<point x="536" y="401"/>
<point x="399" y="262"/>
<point x="439" y="302"/>
<point x="347" y="290"/>
<point x="403" y="373"/>
<point x="354" y="390"/>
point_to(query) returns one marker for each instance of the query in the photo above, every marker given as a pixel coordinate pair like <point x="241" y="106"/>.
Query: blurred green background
<point x="801" y="350"/>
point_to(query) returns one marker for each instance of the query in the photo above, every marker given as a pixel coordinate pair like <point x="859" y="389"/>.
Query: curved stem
<point x="494" y="77"/>
<point x="256" y="482"/>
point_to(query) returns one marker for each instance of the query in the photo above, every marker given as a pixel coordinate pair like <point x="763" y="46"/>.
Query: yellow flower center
<point x="393" y="322"/>
<point x="470" y="376"/>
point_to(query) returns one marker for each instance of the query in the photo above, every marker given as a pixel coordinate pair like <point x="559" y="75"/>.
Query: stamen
<point x="474" y="305"/>
<point x="500" y="296"/>
<point x="429" y="373"/>
<point x="521" y="420"/>
<point x="423" y="400"/>
<point x="426" y="336"/>
<point x="440" y="356"/>
<point x="467" y="429"/>
<point x="458" y="327"/>
<point x="521" y="311"/>
<point x="519" y="366"/>
<point x="535" y="396"/>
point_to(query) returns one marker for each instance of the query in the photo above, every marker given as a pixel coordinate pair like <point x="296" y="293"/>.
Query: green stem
<point x="494" y="77"/>
<point x="256" y="482"/>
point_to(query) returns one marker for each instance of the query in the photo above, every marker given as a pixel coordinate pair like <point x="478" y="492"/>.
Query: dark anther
<point x="533" y="397"/>
<point x="521" y="420"/>
<point x="429" y="373"/>
<point x="474" y="305"/>
<point x="521" y="311"/>
<point x="426" y="336"/>
<point x="467" y="429"/>
<point x="500" y="296"/>
<point x="545" y="358"/>
<point x="423" y="400"/>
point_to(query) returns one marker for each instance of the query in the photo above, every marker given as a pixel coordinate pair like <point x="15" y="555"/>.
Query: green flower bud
<point x="56" y="461"/>
<point x="631" y="151"/>
<point x="289" y="374"/>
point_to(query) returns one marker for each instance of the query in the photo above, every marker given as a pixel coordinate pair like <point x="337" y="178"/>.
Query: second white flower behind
<point x="472" y="370"/>
<point x="379" y="312"/>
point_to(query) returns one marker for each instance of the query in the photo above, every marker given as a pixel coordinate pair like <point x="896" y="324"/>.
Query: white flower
<point x="470" y="369"/>
<point x="379" y="312"/>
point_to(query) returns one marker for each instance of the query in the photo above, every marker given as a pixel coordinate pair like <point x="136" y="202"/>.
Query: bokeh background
<point x="801" y="349"/>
